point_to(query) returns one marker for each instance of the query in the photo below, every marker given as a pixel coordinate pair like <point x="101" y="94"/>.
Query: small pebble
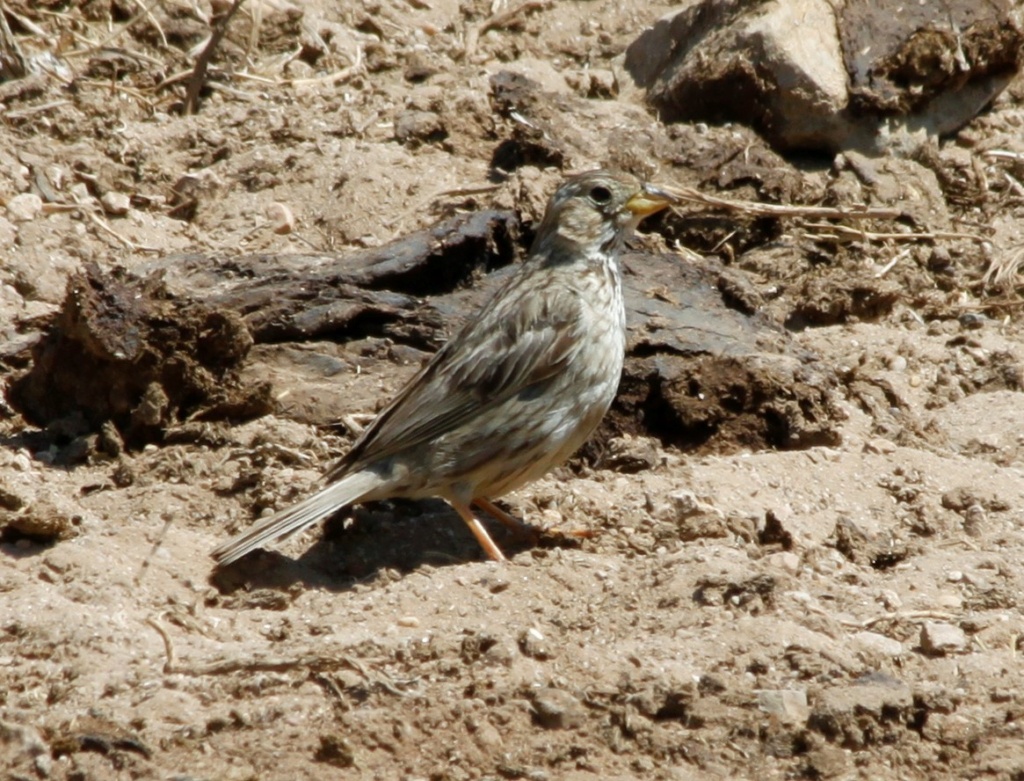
<point x="24" y="207"/>
<point x="533" y="644"/>
<point x="8" y="233"/>
<point x="788" y="704"/>
<point x="890" y="599"/>
<point x="409" y="621"/>
<point x="116" y="203"/>
<point x="940" y="639"/>
<point x="557" y="709"/>
<point x="784" y="560"/>
<point x="879" y="446"/>
<point x="875" y="643"/>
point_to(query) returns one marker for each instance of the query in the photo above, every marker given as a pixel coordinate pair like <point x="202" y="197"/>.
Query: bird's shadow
<point x="378" y="541"/>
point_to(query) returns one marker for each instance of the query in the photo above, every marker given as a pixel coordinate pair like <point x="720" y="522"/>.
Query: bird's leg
<point x="523" y="528"/>
<point x="478" y="530"/>
<point x="517" y="526"/>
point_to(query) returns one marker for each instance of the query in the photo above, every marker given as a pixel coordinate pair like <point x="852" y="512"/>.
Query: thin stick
<point x="910" y="615"/>
<point x="1003" y="154"/>
<point x="892" y="263"/>
<point x="12" y="62"/>
<point x="195" y="84"/>
<point x="853" y="234"/>
<point x="170" y="663"/>
<point x="780" y="210"/>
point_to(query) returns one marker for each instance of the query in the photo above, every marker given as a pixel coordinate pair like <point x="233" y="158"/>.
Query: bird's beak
<point x="649" y="200"/>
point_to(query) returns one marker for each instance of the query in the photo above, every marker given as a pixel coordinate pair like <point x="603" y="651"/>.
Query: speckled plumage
<point x="516" y="391"/>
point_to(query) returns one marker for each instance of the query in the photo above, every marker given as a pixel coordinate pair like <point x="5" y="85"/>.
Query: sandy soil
<point x="849" y="610"/>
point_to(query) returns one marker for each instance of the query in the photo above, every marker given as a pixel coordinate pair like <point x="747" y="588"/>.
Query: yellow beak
<point x="649" y="200"/>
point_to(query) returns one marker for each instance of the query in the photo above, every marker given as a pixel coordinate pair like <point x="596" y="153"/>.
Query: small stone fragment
<point x="533" y="644"/>
<point x="941" y="639"/>
<point x="8" y="233"/>
<point x="876" y="709"/>
<point x="43" y="521"/>
<point x="115" y="203"/>
<point x="788" y="704"/>
<point x="828" y="762"/>
<point x="557" y="709"/>
<point x="24" y="207"/>
<point x="875" y="643"/>
<point x="629" y="454"/>
<point x="785" y="560"/>
<point x="879" y="446"/>
<point x="414" y="127"/>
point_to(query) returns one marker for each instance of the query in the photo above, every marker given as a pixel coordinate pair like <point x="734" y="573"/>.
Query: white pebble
<point x="116" y="203"/>
<point x="24" y="207"/>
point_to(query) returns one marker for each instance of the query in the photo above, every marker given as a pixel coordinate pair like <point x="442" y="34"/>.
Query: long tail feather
<point x="350" y="489"/>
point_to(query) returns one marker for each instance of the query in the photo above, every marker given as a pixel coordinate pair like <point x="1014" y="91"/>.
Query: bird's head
<point x="594" y="212"/>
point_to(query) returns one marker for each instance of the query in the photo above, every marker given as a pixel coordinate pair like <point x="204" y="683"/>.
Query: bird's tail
<point x="325" y="502"/>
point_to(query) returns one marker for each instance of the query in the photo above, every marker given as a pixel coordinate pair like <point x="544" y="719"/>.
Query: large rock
<point x="810" y="74"/>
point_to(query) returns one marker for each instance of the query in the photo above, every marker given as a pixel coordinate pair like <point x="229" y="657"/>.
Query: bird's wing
<point x="526" y="335"/>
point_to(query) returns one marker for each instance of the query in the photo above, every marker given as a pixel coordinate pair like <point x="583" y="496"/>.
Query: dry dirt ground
<point x="741" y="610"/>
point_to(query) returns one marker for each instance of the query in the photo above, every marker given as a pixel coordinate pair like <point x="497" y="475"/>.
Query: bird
<point x="515" y="392"/>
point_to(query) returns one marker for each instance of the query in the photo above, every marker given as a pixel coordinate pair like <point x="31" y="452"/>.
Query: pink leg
<point x="478" y="530"/>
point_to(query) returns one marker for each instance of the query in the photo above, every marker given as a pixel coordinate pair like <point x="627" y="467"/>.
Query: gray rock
<point x="876" y="709"/>
<point x="24" y="207"/>
<point x="115" y="203"/>
<point x="788" y="704"/>
<point x="557" y="709"/>
<point x="874" y="643"/>
<point x="941" y="639"/>
<point x="415" y="127"/>
<point x="810" y="74"/>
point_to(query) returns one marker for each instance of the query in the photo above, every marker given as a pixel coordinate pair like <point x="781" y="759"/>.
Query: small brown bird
<point x="515" y="392"/>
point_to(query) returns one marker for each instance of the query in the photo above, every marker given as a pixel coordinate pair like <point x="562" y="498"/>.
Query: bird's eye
<point x="600" y="194"/>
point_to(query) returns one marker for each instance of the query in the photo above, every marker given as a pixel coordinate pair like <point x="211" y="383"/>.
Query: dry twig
<point x="781" y="210"/>
<point x="198" y="79"/>
<point x="846" y="233"/>
<point x="909" y="615"/>
<point x="12" y="62"/>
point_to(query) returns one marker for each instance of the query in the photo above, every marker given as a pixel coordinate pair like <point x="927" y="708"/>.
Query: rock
<point x="90" y="365"/>
<point x="873" y="643"/>
<point x="8" y="233"/>
<point x="940" y="639"/>
<point x="692" y="518"/>
<point x="416" y="127"/>
<point x="533" y="644"/>
<point x="557" y="709"/>
<point x="879" y="446"/>
<point x="788" y="704"/>
<point x="115" y="203"/>
<point x="876" y="709"/>
<point x="43" y="521"/>
<point x="629" y="455"/>
<point x="784" y="560"/>
<point x="874" y="76"/>
<point x="828" y="762"/>
<point x="685" y="504"/>
<point x="24" y="207"/>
